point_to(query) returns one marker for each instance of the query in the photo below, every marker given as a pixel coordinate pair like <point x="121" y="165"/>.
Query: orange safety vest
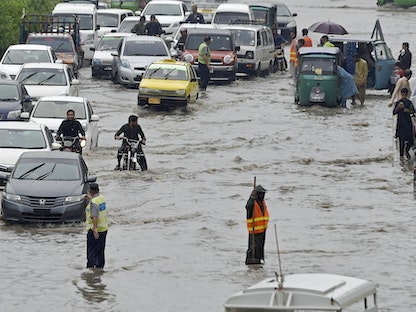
<point x="293" y="57"/>
<point x="260" y="220"/>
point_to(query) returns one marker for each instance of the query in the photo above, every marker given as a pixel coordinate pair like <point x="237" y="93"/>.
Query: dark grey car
<point x="14" y="99"/>
<point x="47" y="187"/>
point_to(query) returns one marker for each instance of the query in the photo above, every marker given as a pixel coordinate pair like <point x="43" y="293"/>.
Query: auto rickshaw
<point x="317" y="76"/>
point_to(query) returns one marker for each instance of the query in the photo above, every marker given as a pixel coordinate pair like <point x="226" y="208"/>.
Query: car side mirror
<point x="92" y="49"/>
<point x="5" y="176"/>
<point x="180" y="46"/>
<point x="114" y="53"/>
<point x="91" y="178"/>
<point x="59" y="62"/>
<point x="95" y="118"/>
<point x="237" y="48"/>
<point x="27" y="98"/>
<point x="194" y="79"/>
<point x="98" y="27"/>
<point x="75" y="82"/>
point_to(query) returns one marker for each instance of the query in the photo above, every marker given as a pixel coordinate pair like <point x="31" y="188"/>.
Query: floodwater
<point x="337" y="193"/>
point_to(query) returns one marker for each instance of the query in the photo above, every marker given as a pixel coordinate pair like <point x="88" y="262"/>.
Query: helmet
<point x="133" y="118"/>
<point x="260" y="189"/>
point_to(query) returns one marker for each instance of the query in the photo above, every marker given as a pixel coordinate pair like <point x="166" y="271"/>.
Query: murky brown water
<point x="340" y="199"/>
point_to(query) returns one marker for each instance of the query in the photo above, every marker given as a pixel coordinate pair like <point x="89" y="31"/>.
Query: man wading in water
<point x="257" y="221"/>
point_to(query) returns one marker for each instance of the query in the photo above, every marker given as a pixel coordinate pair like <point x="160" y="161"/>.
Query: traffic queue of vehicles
<point x="39" y="83"/>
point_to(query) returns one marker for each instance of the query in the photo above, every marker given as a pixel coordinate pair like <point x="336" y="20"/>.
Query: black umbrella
<point x="328" y="28"/>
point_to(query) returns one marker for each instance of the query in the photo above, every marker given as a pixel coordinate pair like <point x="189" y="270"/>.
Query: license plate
<point x="154" y="101"/>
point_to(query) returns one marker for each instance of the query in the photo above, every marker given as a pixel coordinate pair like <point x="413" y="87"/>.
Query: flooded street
<point x="340" y="198"/>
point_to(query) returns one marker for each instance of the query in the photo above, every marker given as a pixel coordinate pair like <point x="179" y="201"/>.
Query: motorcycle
<point x="132" y="155"/>
<point x="71" y="144"/>
<point x="280" y="63"/>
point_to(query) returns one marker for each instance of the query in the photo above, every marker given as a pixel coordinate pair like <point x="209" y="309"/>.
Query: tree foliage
<point x="12" y="12"/>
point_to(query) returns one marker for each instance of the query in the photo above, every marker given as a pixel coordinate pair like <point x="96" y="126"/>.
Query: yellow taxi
<point x="169" y="84"/>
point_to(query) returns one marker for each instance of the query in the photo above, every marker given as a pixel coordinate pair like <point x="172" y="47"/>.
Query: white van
<point x="256" y="54"/>
<point x="87" y="14"/>
<point x="109" y="20"/>
<point x="231" y="13"/>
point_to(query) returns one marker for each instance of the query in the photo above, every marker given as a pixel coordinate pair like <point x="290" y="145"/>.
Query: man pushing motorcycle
<point x="132" y="131"/>
<point x="70" y="127"/>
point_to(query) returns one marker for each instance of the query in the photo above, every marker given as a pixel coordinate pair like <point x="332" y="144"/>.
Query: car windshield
<point x="109" y="43"/>
<point x="162" y="9"/>
<point x="19" y="57"/>
<point x="46" y="169"/>
<point x="27" y="139"/>
<point x="243" y="37"/>
<point x="218" y="43"/>
<point x="107" y="20"/>
<point x="58" y="44"/>
<point x="85" y="20"/>
<point x="126" y="26"/>
<point x="144" y="48"/>
<point x="42" y="76"/>
<point x="58" y="109"/>
<point x="9" y="92"/>
<point x="261" y="15"/>
<point x="318" y="66"/>
<point x="230" y="17"/>
<point x="282" y="10"/>
<point x="166" y="72"/>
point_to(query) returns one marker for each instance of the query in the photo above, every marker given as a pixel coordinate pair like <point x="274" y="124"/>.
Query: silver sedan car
<point x="133" y="57"/>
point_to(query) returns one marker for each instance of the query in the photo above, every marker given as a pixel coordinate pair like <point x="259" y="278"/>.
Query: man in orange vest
<point x="257" y="221"/>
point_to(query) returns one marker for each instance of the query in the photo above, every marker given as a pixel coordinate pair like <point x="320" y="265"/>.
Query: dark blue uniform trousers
<point x="95" y="249"/>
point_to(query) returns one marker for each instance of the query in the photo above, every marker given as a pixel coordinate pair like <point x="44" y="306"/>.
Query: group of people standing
<point x="403" y="107"/>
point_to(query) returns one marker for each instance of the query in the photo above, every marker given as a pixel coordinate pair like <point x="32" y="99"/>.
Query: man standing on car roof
<point x="195" y="17"/>
<point x="97" y="227"/>
<point x="204" y="63"/>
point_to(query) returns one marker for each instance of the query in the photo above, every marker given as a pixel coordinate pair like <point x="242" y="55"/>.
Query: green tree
<point x="12" y="12"/>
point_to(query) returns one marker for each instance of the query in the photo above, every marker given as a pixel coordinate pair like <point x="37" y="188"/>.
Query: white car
<point x="18" y="54"/>
<point x="128" y="23"/>
<point x="17" y="137"/>
<point x="133" y="57"/>
<point x="42" y="79"/>
<point x="110" y="19"/>
<point x="166" y="12"/>
<point x="102" y="60"/>
<point x="51" y="111"/>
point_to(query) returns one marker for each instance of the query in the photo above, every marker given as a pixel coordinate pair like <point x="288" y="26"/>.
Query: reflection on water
<point x="92" y="288"/>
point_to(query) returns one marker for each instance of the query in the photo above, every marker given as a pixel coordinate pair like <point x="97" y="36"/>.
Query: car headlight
<point x="12" y="197"/>
<point x="96" y="62"/>
<point x="73" y="199"/>
<point x="14" y="114"/>
<point x="228" y="59"/>
<point x="291" y="24"/>
<point x="180" y="92"/>
<point x="250" y="55"/>
<point x="125" y="63"/>
<point x="188" y="58"/>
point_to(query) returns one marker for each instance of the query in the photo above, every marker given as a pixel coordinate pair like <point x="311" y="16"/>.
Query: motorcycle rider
<point x="70" y="127"/>
<point x="132" y="131"/>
